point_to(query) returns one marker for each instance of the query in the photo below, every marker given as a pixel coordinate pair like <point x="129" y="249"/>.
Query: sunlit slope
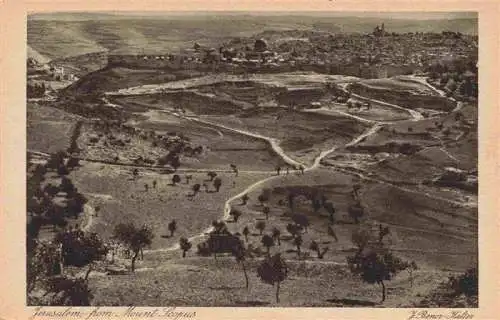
<point x="73" y="35"/>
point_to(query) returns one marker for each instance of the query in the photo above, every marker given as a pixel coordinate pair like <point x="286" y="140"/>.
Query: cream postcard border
<point x="13" y="144"/>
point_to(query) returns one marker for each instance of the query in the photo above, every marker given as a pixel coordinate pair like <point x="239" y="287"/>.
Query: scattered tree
<point x="314" y="246"/>
<point x="291" y="197"/>
<point x="260" y="225"/>
<point x="383" y="231"/>
<point x="211" y="175"/>
<point x="172" y="227"/>
<point x="293" y="229"/>
<point x="134" y="238"/>
<point x="240" y="253"/>
<point x="266" y="211"/>
<point x="332" y="233"/>
<point x="375" y="265"/>
<point x="411" y="267"/>
<point x="196" y="189"/>
<point x="185" y="246"/>
<point x="176" y="179"/>
<point x="267" y="241"/>
<point x="234" y="168"/>
<point x="276" y="233"/>
<point x="356" y="211"/>
<point x="316" y="204"/>
<point x="372" y="261"/>
<point x="263" y="198"/>
<point x="331" y="211"/>
<point x="188" y="178"/>
<point x="273" y="270"/>
<point x="301" y="220"/>
<point x="206" y="187"/>
<point x="154" y="184"/>
<point x="246" y="232"/>
<point x="297" y="241"/>
<point x="217" y="184"/>
<point x="244" y="199"/>
<point x="73" y="162"/>
<point x="235" y="213"/>
<point x="278" y="170"/>
<point x="175" y="163"/>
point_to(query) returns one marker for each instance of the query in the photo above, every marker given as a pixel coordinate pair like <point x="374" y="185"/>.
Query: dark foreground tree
<point x="273" y="270"/>
<point x="172" y="227"/>
<point x="185" y="246"/>
<point x="135" y="239"/>
<point x="240" y="253"/>
<point x="375" y="265"/>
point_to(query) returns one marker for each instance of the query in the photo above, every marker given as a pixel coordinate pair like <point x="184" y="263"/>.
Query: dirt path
<point x="415" y="114"/>
<point x="89" y="213"/>
<point x="369" y="132"/>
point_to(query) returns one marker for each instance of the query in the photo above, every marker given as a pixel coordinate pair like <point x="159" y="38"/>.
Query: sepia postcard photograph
<point x="253" y="159"/>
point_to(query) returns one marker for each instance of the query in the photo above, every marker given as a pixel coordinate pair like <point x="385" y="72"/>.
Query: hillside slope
<point x="75" y="34"/>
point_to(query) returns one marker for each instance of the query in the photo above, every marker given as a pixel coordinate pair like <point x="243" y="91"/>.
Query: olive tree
<point x="273" y="270"/>
<point x="134" y="238"/>
<point x="185" y="246"/>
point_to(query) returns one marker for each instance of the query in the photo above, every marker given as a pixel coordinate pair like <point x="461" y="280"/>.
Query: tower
<point x="383" y="29"/>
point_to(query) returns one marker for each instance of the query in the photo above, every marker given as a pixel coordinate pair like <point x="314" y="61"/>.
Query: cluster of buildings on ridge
<point x="378" y="54"/>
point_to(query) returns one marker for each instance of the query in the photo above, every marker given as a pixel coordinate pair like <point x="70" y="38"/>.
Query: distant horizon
<point x="396" y="15"/>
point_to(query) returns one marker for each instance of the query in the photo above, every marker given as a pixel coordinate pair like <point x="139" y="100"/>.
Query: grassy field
<point x="311" y="132"/>
<point x="326" y="282"/>
<point x="121" y="198"/>
<point x="205" y="282"/>
<point x="450" y="229"/>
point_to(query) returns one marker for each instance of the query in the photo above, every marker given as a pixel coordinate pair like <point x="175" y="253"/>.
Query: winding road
<point x="275" y="145"/>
